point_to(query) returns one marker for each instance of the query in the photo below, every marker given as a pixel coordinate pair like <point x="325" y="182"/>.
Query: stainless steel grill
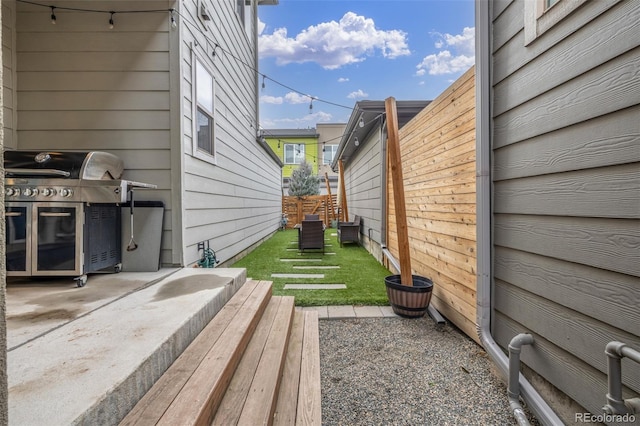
<point x="63" y="212"/>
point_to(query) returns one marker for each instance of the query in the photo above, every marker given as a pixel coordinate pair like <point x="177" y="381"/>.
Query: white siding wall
<point x="83" y="86"/>
<point x="235" y="202"/>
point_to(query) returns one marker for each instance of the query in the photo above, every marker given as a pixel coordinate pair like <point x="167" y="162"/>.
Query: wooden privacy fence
<point x="326" y="206"/>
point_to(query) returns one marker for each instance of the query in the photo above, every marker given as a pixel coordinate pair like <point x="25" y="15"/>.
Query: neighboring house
<point x="559" y="191"/>
<point x="178" y="103"/>
<point x="317" y="146"/>
<point x="362" y="151"/>
<point x="329" y="136"/>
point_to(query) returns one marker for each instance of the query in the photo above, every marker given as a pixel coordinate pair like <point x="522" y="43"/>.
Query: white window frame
<point x="299" y="150"/>
<point x="538" y="18"/>
<point x="334" y="151"/>
<point x="209" y="110"/>
<point x="244" y="11"/>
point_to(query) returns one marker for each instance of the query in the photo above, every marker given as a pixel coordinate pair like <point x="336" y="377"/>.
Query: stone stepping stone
<point x="316" y="267"/>
<point x="295" y="249"/>
<point x="300" y="260"/>
<point x="314" y="286"/>
<point x="317" y="276"/>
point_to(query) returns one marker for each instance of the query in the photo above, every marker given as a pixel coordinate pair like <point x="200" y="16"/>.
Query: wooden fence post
<point x="343" y="193"/>
<point x="395" y="160"/>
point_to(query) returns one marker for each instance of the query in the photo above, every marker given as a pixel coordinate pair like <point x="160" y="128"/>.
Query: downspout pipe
<point x="538" y="406"/>
<point x="513" y="388"/>
<point x="615" y="351"/>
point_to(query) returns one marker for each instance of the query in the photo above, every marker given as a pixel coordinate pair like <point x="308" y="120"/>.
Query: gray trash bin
<point x="147" y="233"/>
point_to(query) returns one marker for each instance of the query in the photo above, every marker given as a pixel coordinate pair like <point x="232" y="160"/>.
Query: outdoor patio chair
<point x="349" y="232"/>
<point x="311" y="217"/>
<point x="311" y="235"/>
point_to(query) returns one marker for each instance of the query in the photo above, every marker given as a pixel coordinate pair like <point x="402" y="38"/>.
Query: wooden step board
<point x="252" y="394"/>
<point x="196" y="382"/>
<point x="299" y="399"/>
<point x="256" y="363"/>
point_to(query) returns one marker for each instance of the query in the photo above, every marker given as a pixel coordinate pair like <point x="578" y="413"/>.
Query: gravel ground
<point x="397" y="371"/>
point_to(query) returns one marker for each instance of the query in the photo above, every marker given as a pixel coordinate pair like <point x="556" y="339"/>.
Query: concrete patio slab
<point x="93" y="365"/>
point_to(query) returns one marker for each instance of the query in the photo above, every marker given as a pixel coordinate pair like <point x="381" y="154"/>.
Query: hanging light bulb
<point x="278" y="143"/>
<point x="111" y="21"/>
<point x="356" y="142"/>
<point x="263" y="85"/>
<point x="53" y="15"/>
<point x="311" y="106"/>
<point x="361" y="123"/>
<point x="173" y="20"/>
<point x="323" y="148"/>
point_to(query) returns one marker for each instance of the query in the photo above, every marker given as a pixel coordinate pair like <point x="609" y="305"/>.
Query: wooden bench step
<point x="252" y="394"/>
<point x="299" y="399"/>
<point x="193" y="386"/>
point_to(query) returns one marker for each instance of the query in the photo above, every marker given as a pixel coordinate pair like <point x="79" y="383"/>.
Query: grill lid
<point x="91" y="165"/>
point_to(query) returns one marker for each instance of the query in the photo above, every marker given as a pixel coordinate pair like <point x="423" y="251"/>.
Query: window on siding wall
<point x="329" y="153"/>
<point x="240" y="10"/>
<point x="204" y="146"/>
<point x="542" y="15"/>
<point x="293" y="153"/>
<point x="244" y="11"/>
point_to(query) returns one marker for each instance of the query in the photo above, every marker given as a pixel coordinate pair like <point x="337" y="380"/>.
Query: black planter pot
<point x="406" y="301"/>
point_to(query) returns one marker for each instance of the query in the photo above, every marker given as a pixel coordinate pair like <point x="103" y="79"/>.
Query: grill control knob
<point x="30" y="192"/>
<point x="66" y="192"/>
<point x="48" y="192"/>
<point x="12" y="192"/>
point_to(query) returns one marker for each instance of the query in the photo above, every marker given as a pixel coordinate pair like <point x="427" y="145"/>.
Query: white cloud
<point x="261" y="26"/>
<point x="334" y="44"/>
<point x="300" y="122"/>
<point x="276" y="100"/>
<point x="446" y="62"/>
<point x="357" y="94"/>
<point x="343" y="80"/>
<point x="297" y="98"/>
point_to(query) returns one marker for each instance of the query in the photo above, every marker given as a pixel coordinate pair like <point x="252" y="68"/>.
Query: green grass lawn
<point x="359" y="270"/>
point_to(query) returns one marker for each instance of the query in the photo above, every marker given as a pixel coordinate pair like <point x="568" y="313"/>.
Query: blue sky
<point x="345" y="51"/>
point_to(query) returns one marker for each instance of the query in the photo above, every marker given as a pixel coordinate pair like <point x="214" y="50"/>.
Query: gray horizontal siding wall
<point x="235" y="202"/>
<point x="8" y="75"/>
<point x="81" y="86"/>
<point x="566" y="192"/>
<point x="364" y="186"/>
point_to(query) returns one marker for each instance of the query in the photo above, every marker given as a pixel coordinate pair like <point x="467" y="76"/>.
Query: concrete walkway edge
<point x="352" y="311"/>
